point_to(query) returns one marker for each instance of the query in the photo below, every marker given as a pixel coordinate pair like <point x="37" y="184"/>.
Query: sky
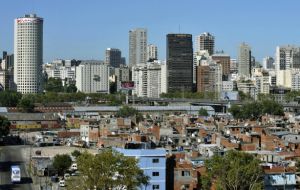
<point x="83" y="29"/>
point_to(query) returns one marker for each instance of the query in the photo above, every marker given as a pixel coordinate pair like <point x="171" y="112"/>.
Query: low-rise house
<point x="151" y="161"/>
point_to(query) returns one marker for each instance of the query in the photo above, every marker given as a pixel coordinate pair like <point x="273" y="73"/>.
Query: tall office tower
<point x="28" y="51"/>
<point x="149" y="79"/>
<point x="6" y="72"/>
<point x="122" y="75"/>
<point x="209" y="78"/>
<point x="224" y="60"/>
<point x="123" y="61"/>
<point x="152" y="52"/>
<point x="268" y="63"/>
<point x="287" y="60"/>
<point x="113" y="57"/>
<point x="92" y="77"/>
<point x="244" y="59"/>
<point x="179" y="62"/>
<point x="205" y="41"/>
<point x="137" y="46"/>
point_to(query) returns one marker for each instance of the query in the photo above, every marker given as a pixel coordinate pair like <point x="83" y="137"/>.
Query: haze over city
<point x="83" y="30"/>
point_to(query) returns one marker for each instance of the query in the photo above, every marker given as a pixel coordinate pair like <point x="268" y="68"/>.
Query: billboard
<point x="234" y="95"/>
<point x="127" y="85"/>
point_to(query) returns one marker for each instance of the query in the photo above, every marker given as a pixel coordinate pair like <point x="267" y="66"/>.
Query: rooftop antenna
<point x="179" y="28"/>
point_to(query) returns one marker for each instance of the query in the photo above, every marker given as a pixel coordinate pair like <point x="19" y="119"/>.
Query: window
<point x="155" y="160"/>
<point x="185" y="173"/>
<point x="155" y="187"/>
<point x="155" y="173"/>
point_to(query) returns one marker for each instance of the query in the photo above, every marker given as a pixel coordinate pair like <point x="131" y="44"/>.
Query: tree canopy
<point x="255" y="109"/>
<point x="62" y="162"/>
<point x="126" y="111"/>
<point x="235" y="170"/>
<point x="26" y="104"/>
<point x="203" y="112"/>
<point x="107" y="170"/>
<point x="9" y="98"/>
<point x="4" y="126"/>
<point x="53" y="85"/>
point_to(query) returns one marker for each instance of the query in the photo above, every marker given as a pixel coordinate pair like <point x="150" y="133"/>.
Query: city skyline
<point x="84" y="30"/>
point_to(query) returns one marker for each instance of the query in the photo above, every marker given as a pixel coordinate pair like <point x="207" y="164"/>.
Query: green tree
<point x="126" y="111"/>
<point x="9" y="98"/>
<point x="4" y="126"/>
<point x="236" y="111"/>
<point x="26" y="104"/>
<point x="235" y="170"/>
<point x="62" y="162"/>
<point x="203" y="112"/>
<point x="244" y="97"/>
<point x="107" y="170"/>
<point x="53" y="85"/>
<point x="76" y="153"/>
<point x="70" y="88"/>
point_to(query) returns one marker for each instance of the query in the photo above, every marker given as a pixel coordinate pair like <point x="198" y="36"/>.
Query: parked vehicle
<point x="15" y="174"/>
<point x="62" y="183"/>
<point x="73" y="166"/>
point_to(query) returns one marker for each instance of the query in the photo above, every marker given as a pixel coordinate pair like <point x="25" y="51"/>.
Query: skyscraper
<point x="92" y="77"/>
<point x="224" y="60"/>
<point x="179" y="62"/>
<point x="152" y="52"/>
<point x="244" y="60"/>
<point x="28" y="51"/>
<point x="137" y="46"/>
<point x="205" y="41"/>
<point x="268" y="62"/>
<point x="113" y="57"/>
<point x="286" y="64"/>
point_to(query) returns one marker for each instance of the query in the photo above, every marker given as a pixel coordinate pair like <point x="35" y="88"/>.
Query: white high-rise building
<point x="28" y="51"/>
<point x="268" y="63"/>
<point x="137" y="46"/>
<point x="295" y="80"/>
<point x="206" y="42"/>
<point x="92" y="77"/>
<point x="287" y="59"/>
<point x="149" y="79"/>
<point x="152" y="52"/>
<point x="244" y="59"/>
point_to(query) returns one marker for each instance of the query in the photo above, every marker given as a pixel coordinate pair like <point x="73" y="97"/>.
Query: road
<point x="12" y="155"/>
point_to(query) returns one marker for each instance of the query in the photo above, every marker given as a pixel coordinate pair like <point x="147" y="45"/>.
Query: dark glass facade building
<point x="180" y="62"/>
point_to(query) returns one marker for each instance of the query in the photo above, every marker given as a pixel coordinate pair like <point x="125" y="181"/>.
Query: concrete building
<point x="137" y="46"/>
<point x="205" y="41"/>
<point x="287" y="59"/>
<point x="7" y="72"/>
<point x="28" y="51"/>
<point x="180" y="62"/>
<point x="92" y="77"/>
<point x="268" y="63"/>
<point x="295" y="80"/>
<point x="209" y="78"/>
<point x="224" y="60"/>
<point x="248" y="87"/>
<point x="149" y="79"/>
<point x="152" y="162"/>
<point x="262" y="81"/>
<point x="122" y="75"/>
<point x="152" y="52"/>
<point x="227" y="86"/>
<point x="113" y="57"/>
<point x="62" y="69"/>
<point x="233" y="66"/>
<point x="244" y="60"/>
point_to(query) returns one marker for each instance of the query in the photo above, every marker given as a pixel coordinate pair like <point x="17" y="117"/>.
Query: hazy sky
<point x="83" y="29"/>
